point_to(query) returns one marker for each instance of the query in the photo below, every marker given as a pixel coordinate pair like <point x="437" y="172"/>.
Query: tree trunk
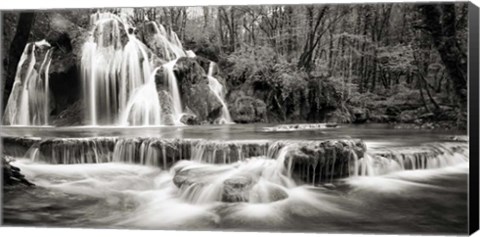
<point x="442" y="27"/>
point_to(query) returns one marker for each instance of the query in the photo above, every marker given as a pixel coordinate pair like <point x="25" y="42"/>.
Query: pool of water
<point x="375" y="134"/>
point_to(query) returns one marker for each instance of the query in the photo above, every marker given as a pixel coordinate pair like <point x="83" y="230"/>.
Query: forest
<point x="397" y="63"/>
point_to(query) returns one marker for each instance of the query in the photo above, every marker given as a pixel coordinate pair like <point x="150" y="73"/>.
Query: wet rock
<point x="237" y="189"/>
<point x="203" y="62"/>
<point x="156" y="39"/>
<point x="203" y="102"/>
<point x="189" y="119"/>
<point x="189" y="72"/>
<point x="195" y="91"/>
<point x="317" y="162"/>
<point x="271" y="193"/>
<point x="181" y="179"/>
<point x="166" y="106"/>
<point x="12" y="175"/>
<point x="246" y="109"/>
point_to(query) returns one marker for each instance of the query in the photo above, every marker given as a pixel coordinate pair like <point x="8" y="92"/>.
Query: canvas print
<point x="326" y="118"/>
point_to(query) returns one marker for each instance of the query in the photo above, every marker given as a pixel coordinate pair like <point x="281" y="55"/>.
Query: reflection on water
<point x="376" y="134"/>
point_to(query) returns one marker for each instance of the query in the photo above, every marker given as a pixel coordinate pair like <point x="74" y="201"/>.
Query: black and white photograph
<point x="311" y="118"/>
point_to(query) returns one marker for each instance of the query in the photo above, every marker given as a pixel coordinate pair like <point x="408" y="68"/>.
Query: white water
<point x="217" y="88"/>
<point x="119" y="76"/>
<point x="174" y="91"/>
<point x="143" y="109"/>
<point x="146" y="197"/>
<point x="169" y="43"/>
<point x="29" y="100"/>
<point x="107" y="65"/>
<point x="390" y="160"/>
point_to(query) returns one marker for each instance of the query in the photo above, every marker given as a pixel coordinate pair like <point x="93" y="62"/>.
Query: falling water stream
<point x="29" y="101"/>
<point x="119" y="78"/>
<point x="219" y="92"/>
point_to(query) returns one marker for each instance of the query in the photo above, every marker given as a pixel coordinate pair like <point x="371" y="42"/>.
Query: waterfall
<point x="143" y="108"/>
<point x="171" y="81"/>
<point x="430" y="156"/>
<point x="119" y="83"/>
<point x="217" y="88"/>
<point x="28" y="103"/>
<point x="311" y="162"/>
<point x="256" y="180"/>
<point x="168" y="44"/>
<point x="118" y="76"/>
<point x="114" y="65"/>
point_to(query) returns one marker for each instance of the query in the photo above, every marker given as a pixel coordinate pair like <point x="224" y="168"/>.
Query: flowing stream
<point x="407" y="181"/>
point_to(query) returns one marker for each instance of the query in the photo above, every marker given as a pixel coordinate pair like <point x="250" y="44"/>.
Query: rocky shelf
<point x="312" y="161"/>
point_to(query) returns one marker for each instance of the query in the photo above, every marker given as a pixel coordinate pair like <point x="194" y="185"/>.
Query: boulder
<point x="12" y="175"/>
<point x="237" y="189"/>
<point x="271" y="193"/>
<point x="189" y="119"/>
<point x="319" y="162"/>
<point x="233" y="189"/>
<point x="195" y="91"/>
<point x="166" y="106"/>
<point x="189" y="72"/>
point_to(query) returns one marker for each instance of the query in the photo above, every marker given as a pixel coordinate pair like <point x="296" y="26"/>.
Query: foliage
<point x="309" y="62"/>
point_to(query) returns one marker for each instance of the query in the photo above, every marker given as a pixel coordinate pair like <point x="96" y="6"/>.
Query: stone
<point x="195" y="91"/>
<point x="12" y="175"/>
<point x="189" y="119"/>
<point x="157" y="43"/>
<point x="321" y="161"/>
<point x="237" y="189"/>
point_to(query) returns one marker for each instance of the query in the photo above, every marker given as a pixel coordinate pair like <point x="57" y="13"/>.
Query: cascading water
<point x="155" y="182"/>
<point x="217" y="88"/>
<point x="119" y="83"/>
<point x="166" y="44"/>
<point x="171" y="81"/>
<point x="29" y="101"/>
<point x="143" y="109"/>
<point x="114" y="64"/>
<point x="312" y="162"/>
<point x="431" y="156"/>
<point x="118" y="74"/>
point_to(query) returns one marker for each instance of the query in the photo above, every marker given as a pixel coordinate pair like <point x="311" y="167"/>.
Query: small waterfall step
<point x="428" y="156"/>
<point x="164" y="153"/>
<point x="311" y="161"/>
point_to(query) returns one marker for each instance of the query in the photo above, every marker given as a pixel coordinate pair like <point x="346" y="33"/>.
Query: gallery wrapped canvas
<point x="328" y="118"/>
